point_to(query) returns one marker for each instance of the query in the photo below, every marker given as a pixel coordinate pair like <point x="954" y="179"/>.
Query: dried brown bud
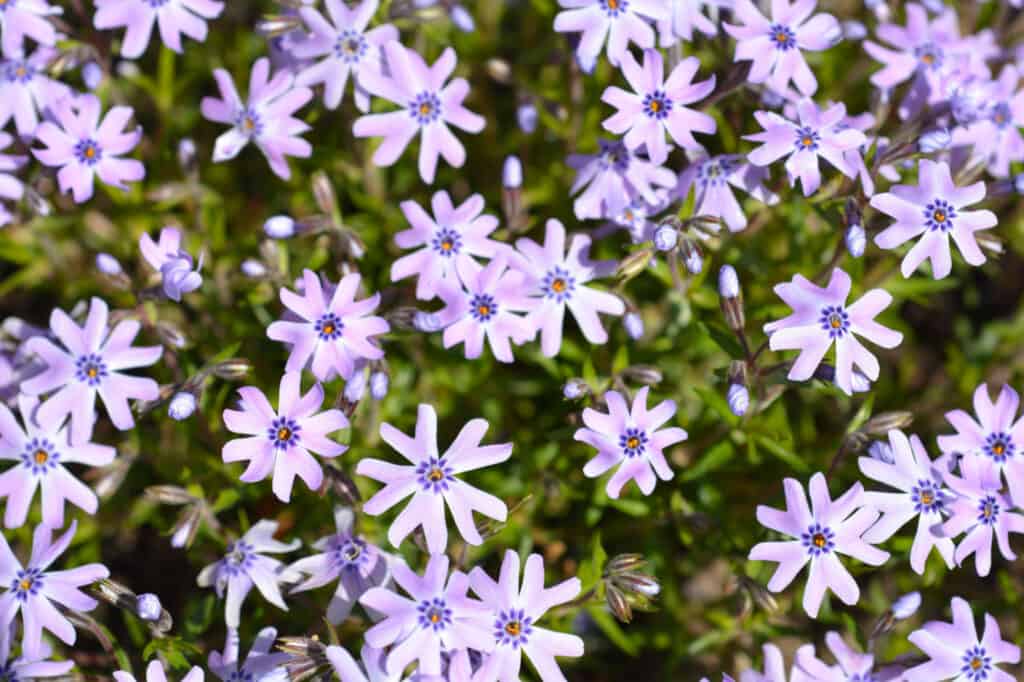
<point x="232" y="370"/>
<point x="169" y="494"/>
<point x="276" y="25"/>
<point x="882" y="424"/>
<point x="635" y="263"/>
<point x="624" y="562"/>
<point x="644" y="374"/>
<point x="618" y="603"/>
<point x="323" y="192"/>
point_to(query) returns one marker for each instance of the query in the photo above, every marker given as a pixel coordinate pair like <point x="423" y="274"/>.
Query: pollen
<point x="998" y="448"/>
<point x="806" y="141"/>
<point x="976" y="663"/>
<point x="447" y="245"/>
<point x="284" y="433"/>
<point x="41" y="456"/>
<point x="819" y="540"/>
<point x="780" y="37"/>
<point x="939" y="216"/>
<point x="484" y="310"/>
<point x="25" y="584"/>
<point x="558" y="286"/>
<point x="613" y="4"/>
<point x="92" y="372"/>
<point x="655" y="106"/>
<point x="425" y="109"/>
<point x="435" y="474"/>
<point x="513" y="628"/>
<point x="927" y="497"/>
<point x="435" y="617"/>
<point x="633" y="443"/>
<point x="328" y="330"/>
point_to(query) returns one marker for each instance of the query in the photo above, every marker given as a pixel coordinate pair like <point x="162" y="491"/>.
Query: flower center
<point x="483" y="307"/>
<point x="238" y="557"/>
<point x="426" y="108"/>
<point x="329" y="327"/>
<point x="249" y="122"/>
<point x="999" y="446"/>
<point x="657" y="105"/>
<point x="988" y="510"/>
<point x="834" y="320"/>
<point x="633" y="442"/>
<point x="350" y="46"/>
<point x="88" y="151"/>
<point x="434" y="475"/>
<point x="512" y="628"/>
<point x="26" y="583"/>
<point x="807" y="139"/>
<point x="783" y="36"/>
<point x="939" y="215"/>
<point x="283" y="432"/>
<point x="977" y="664"/>
<point x="818" y="539"/>
<point x="558" y="284"/>
<point x="434" y="614"/>
<point x="447" y="242"/>
<point x="614" y="8"/>
<point x="18" y="71"/>
<point x="90" y="369"/>
<point x="929" y="56"/>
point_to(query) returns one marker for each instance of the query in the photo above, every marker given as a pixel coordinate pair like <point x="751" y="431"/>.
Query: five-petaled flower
<point x="262" y="663"/>
<point x="821" y="317"/>
<point x="713" y="179"/>
<point x="173" y="17"/>
<point x="851" y="665"/>
<point x="172" y="262"/>
<point x="155" y="673"/>
<point x="620" y="21"/>
<point x="26" y="18"/>
<point x="432" y="481"/>
<point x="26" y="91"/>
<point x="90" y="364"/>
<point x="609" y="181"/>
<point x="820" y="534"/>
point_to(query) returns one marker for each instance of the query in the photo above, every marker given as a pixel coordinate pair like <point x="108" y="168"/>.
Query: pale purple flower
<point x="933" y="210"/>
<point x="713" y="179"/>
<point x="172" y="262"/>
<point x="995" y="435"/>
<point x="774" y="668"/>
<point x="265" y="118"/>
<point x="10" y="187"/>
<point x="280" y="441"/>
<point x="84" y="146"/>
<point x="262" y="663"/>
<point x="372" y="668"/>
<point x="432" y="481"/>
<point x="30" y="667"/>
<point x="850" y="666"/>
<point x="244" y="565"/>
<point x="620" y="21"/>
<point x="515" y="611"/>
<point x="630" y="438"/>
<point x="820" y="317"/>
<point x="817" y="134"/>
<point x="555" y="281"/>
<point x="26" y="91"/>
<point x="155" y="673"/>
<point x="342" y="47"/>
<point x="774" y="47"/>
<point x="172" y="17"/>
<point x="346" y="557"/>
<point x="820" y="534"/>
<point x="995" y="134"/>
<point x="956" y="652"/>
<point x="32" y="589"/>
<point x="486" y="306"/>
<point x="437" y="616"/>
<point x="685" y="16"/>
<point x="40" y="451"/>
<point x="426" y="105"/>
<point x="332" y="335"/>
<point x="27" y="18"/>
<point x="922" y="495"/>
<point x="658" y="106"/>
<point x="608" y="181"/>
<point x="981" y="512"/>
<point x="450" y="236"/>
<point x="90" y="363"/>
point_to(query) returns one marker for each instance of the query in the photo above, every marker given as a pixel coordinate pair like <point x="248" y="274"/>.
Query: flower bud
<point x="341" y="485"/>
<point x="633" y="264"/>
<point x="169" y="494"/>
<point x="253" y="268"/>
<point x="634" y="325"/>
<point x="170" y="335"/>
<point x="108" y="265"/>
<point x="739" y="399"/>
<point x="854" y="30"/>
<point x="462" y="19"/>
<point x="644" y="374"/>
<point x="693" y="259"/>
<point x="1018" y="183"/>
<point x="279" y="227"/>
<point x="638" y="583"/>
<point x="617" y="603"/>
<point x="379" y="384"/>
<point x="882" y="424"/>
<point x="860" y="383"/>
<point x="233" y="369"/>
<point x="356" y="387"/>
<point x="666" y="237"/>
<point x="148" y="607"/>
<point x="184" y="532"/>
<point x="856" y="240"/>
<point x="906" y="606"/>
<point x="426" y="322"/>
<point x="728" y="282"/>
<point x="92" y="75"/>
<point x="526" y="116"/>
<point x="934" y="141"/>
<point x="187" y="155"/>
<point x="275" y="26"/>
<point x="574" y="389"/>
<point x="182" y="406"/>
<point x="881" y="451"/>
<point x="620" y="563"/>
<point x="323" y="192"/>
<point x="512" y="173"/>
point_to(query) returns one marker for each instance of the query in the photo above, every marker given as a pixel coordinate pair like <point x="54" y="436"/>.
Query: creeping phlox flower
<point x="40" y="451"/>
<point x="657" y="105"/>
<point x="713" y="179"/>
<point x="823" y="532"/>
<point x="30" y="667"/>
<point x="356" y="564"/>
<point x="451" y="236"/>
<point x="486" y="306"/>
<point x="32" y="590"/>
<point x="820" y="317"/>
<point x="555" y="280"/>
<point x="261" y="663"/>
<point x="372" y="668"/>
<point x="686" y="15"/>
<point x="982" y="512"/>
<point x="265" y="118"/>
<point x="609" y="181"/>
<point x="172" y="262"/>
<point x="155" y="673"/>
<point x="621" y="21"/>
<point x="995" y="134"/>
<point x="923" y="495"/>
<point x="90" y="364"/>
<point x="27" y="18"/>
<point x="437" y="616"/>
<point x="630" y="438"/>
<point x="850" y="666"/>
<point x="84" y="146"/>
<point x="934" y="209"/>
<point x="817" y="134"/>
<point x="427" y="106"/>
<point x="26" y="92"/>
<point x="245" y="565"/>
<point x="431" y="480"/>
<point x="10" y="187"/>
<point x="956" y="652"/>
<point x="774" y="668"/>
<point x="773" y="47"/>
<point x="281" y="441"/>
<point x="996" y="436"/>
<point x="173" y="18"/>
<point x="343" y="46"/>
<point x="332" y="336"/>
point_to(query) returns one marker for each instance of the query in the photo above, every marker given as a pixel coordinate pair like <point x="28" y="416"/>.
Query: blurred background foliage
<point x="694" y="530"/>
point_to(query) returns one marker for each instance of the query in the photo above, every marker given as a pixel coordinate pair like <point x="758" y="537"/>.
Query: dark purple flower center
<point x="434" y="614"/>
<point x="807" y="139"/>
<point x="928" y="497"/>
<point x="614" y="8"/>
<point x="242" y="675"/>
<point x="614" y="155"/>
<point x="977" y="664"/>
<point x="40" y="455"/>
<point x="426" y="108"/>
<point x="88" y="151"/>
<point x="939" y="215"/>
<point x="782" y="37"/>
<point x="329" y="327"/>
<point x="988" y="510"/>
<point x="238" y="559"/>
<point x="558" y="284"/>
<point x="447" y="242"/>
<point x="27" y="583"/>
<point x="434" y="474"/>
<point x="633" y="442"/>
<point x="350" y="553"/>
<point x="657" y="105"/>
<point x="1002" y="116"/>
<point x="155" y="4"/>
<point x="929" y="56"/>
<point x="350" y="46"/>
<point x="999" y="446"/>
<point x="715" y="172"/>
<point x="483" y="307"/>
<point x="835" y="320"/>
<point x="512" y="628"/>
<point x="90" y="369"/>
<point x="248" y="122"/>
<point x="283" y="432"/>
<point x="818" y="539"/>
<point x="18" y="71"/>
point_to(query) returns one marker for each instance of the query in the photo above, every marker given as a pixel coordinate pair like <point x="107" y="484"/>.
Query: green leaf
<point x="610" y="627"/>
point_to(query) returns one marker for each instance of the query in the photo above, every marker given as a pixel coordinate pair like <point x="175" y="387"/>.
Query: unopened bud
<point x="635" y="263"/>
<point x="379" y="385"/>
<point x="323" y="192"/>
<point x="426" y="322"/>
<point x="639" y="583"/>
<point x="881" y="451"/>
<point x="856" y="240"/>
<point x="279" y="227"/>
<point x="634" y="325"/>
<point x="253" y="268"/>
<point x="232" y="370"/>
<point x="182" y="406"/>
<point x="462" y="19"/>
<point x="934" y="141"/>
<point x="277" y="25"/>
<point x="171" y="335"/>
<point x="512" y="173"/>
<point x="666" y="237"/>
<point x="728" y="282"/>
<point x="692" y="256"/>
<point x="620" y="563"/>
<point x="526" y="116"/>
<point x="739" y="399"/>
<point x="356" y="387"/>
<point x="574" y="389"/>
<point x="854" y="30"/>
<point x="906" y="606"/>
<point x="108" y="265"/>
<point x="644" y="374"/>
<point x="187" y="155"/>
<point x="618" y="604"/>
<point x="341" y="485"/>
<point x="148" y="607"/>
<point x="184" y="532"/>
<point x="92" y="75"/>
<point x="169" y="494"/>
<point x="882" y="424"/>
